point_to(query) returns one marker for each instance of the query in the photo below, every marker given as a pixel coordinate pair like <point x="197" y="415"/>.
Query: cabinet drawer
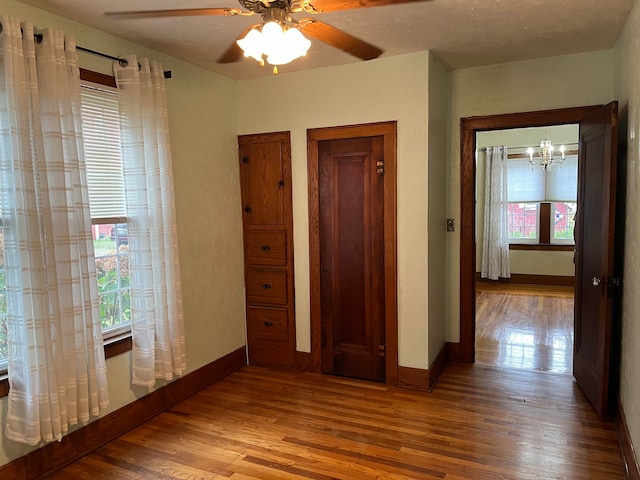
<point x="266" y="248"/>
<point x="268" y="352"/>
<point x="266" y="286"/>
<point x="267" y="323"/>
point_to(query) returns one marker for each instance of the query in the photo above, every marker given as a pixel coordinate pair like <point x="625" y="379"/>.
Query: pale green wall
<point x="543" y="84"/>
<point x="394" y="88"/>
<point x="207" y="111"/>
<point x="439" y="118"/>
<point x="203" y="128"/>
<point x="627" y="91"/>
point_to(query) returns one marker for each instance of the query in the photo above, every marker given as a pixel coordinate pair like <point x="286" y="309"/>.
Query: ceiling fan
<point x="279" y="13"/>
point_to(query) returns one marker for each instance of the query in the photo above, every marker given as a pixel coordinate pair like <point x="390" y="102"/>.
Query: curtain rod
<point x="38" y="37"/>
<point x="532" y="146"/>
<point x="535" y="146"/>
<point x="167" y="73"/>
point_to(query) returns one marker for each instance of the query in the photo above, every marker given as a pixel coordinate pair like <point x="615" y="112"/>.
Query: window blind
<point x="103" y="155"/>
<point x="562" y="182"/>
<point x="527" y="184"/>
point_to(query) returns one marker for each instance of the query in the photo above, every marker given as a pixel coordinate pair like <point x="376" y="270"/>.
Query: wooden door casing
<point x="352" y="257"/>
<point x="388" y="131"/>
<point x="464" y="351"/>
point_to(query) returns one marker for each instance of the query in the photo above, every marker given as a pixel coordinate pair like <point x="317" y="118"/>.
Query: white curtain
<point x="495" y="243"/>
<point x="57" y="373"/>
<point x="156" y="298"/>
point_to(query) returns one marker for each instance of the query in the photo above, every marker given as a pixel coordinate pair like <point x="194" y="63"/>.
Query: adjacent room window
<point x="564" y="220"/>
<point x="542" y="204"/>
<point x="103" y="155"/>
<point x="523" y="221"/>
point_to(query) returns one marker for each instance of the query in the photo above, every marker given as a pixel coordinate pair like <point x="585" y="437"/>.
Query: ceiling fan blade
<point x="335" y="5"/>
<point x="184" y="12"/>
<point x="234" y="52"/>
<point x="340" y="39"/>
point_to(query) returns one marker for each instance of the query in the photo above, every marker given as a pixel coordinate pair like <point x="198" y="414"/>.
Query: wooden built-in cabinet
<point x="267" y="220"/>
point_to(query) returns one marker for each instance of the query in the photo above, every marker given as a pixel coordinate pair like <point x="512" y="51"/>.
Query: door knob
<point x="324" y="270"/>
<point x="596" y="281"/>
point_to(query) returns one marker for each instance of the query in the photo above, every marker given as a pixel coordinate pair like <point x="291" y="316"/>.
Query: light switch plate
<point x="451" y="225"/>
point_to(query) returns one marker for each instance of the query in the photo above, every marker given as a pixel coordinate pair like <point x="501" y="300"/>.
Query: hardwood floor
<point x="479" y="423"/>
<point x="525" y="326"/>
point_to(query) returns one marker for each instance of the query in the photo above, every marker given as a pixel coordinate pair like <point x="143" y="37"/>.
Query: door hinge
<point x="612" y="284"/>
<point x="380" y="167"/>
<point x="381" y="352"/>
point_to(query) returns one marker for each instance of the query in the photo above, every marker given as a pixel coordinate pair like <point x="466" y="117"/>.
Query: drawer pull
<point x="266" y="286"/>
<point x="265" y="248"/>
<point x="268" y="324"/>
<point x="247" y="209"/>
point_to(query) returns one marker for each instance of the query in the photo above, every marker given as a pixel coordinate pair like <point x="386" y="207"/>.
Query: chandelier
<point x="274" y="40"/>
<point x="546" y="157"/>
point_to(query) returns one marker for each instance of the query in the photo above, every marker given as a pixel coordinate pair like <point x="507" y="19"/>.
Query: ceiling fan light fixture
<point x="296" y="42"/>
<point x="272" y="38"/>
<point x="276" y="41"/>
<point x="251" y="44"/>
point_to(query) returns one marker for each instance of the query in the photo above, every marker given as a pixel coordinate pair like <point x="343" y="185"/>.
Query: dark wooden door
<point x="351" y="201"/>
<point x="595" y="276"/>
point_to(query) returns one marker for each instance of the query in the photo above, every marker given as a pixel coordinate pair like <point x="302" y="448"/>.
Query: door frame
<point x="388" y="130"/>
<point x="468" y="128"/>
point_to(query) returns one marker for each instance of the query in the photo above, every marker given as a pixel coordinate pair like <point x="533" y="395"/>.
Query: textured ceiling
<point x="462" y="33"/>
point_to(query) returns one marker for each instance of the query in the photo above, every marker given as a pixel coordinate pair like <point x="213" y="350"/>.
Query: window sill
<point x="112" y="347"/>
<point x="550" y="247"/>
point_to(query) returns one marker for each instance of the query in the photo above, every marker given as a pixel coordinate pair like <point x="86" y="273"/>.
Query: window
<point x="564" y="220"/>
<point x="4" y="347"/>
<point x="542" y="204"/>
<point x="523" y="221"/>
<point x="103" y="156"/>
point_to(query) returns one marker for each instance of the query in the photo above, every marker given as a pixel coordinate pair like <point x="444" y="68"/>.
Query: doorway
<point x="598" y="286"/>
<point x="524" y="312"/>
<point x="367" y="348"/>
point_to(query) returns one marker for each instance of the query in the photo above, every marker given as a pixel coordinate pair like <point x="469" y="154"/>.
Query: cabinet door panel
<point x="262" y="183"/>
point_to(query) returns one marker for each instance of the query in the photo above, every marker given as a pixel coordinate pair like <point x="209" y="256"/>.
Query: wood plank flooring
<point x="525" y="326"/>
<point x="479" y="423"/>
